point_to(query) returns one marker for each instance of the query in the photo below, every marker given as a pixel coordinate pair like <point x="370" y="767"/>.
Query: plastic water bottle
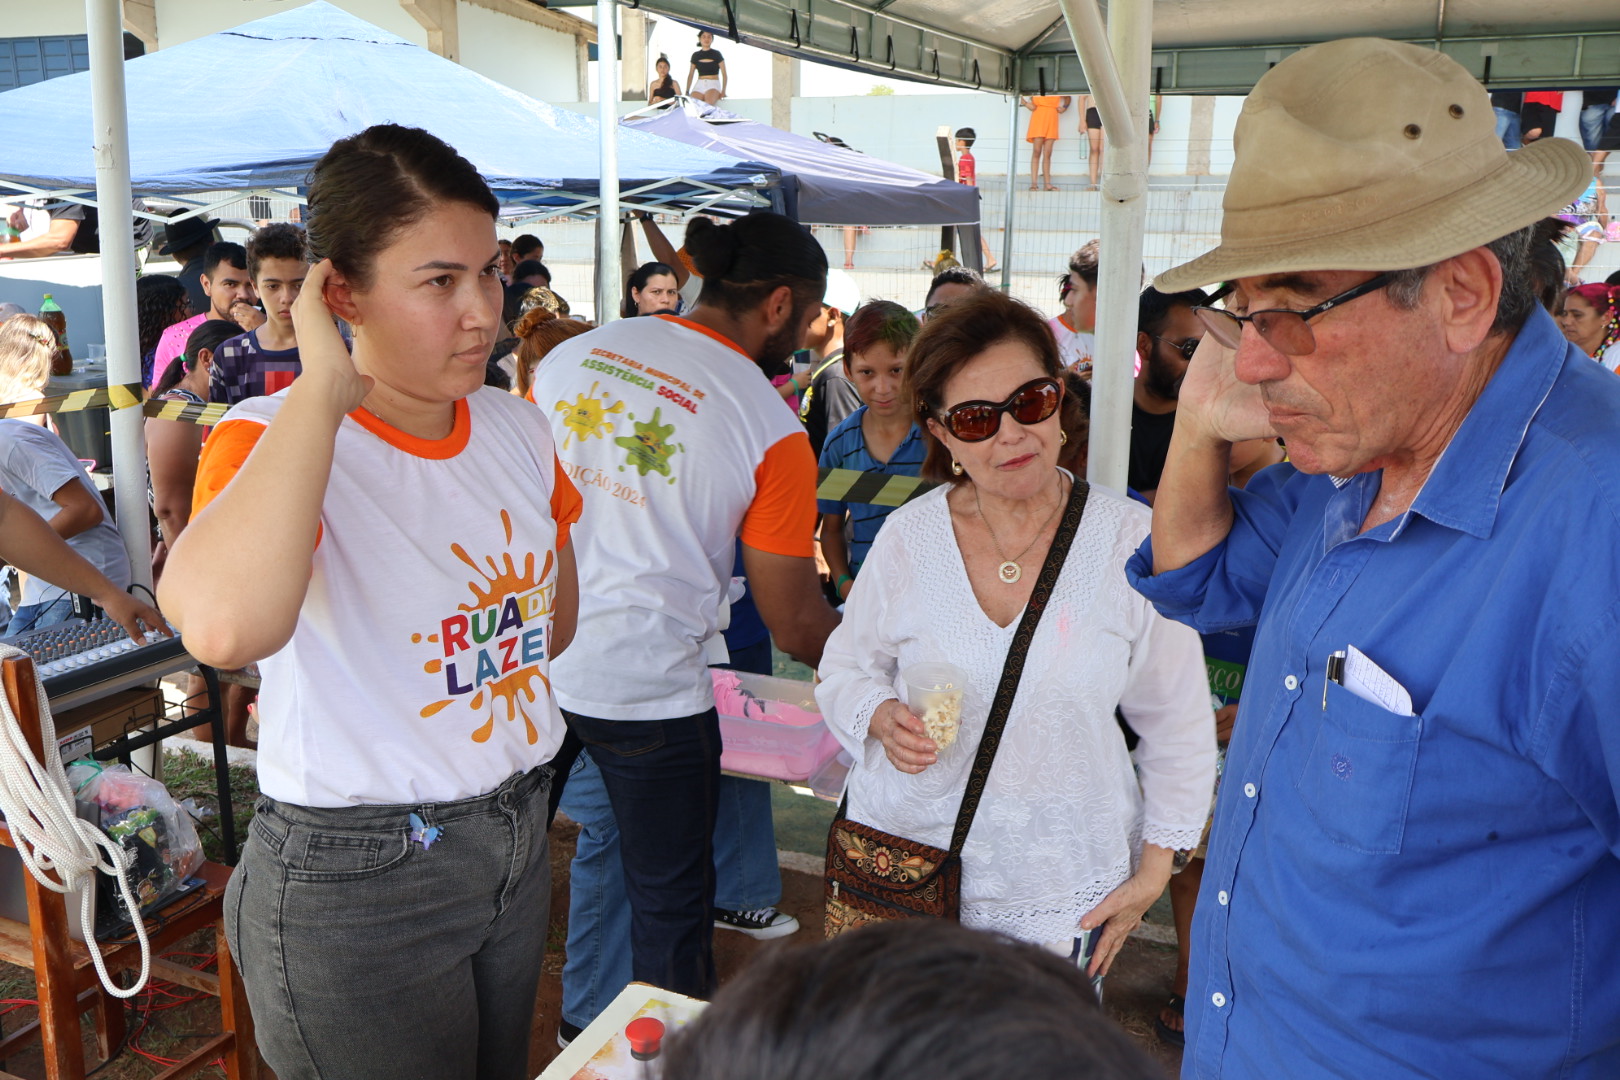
<point x="52" y="315"/>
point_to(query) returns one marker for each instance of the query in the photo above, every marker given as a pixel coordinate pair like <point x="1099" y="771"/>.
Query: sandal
<point x="1177" y="1004"/>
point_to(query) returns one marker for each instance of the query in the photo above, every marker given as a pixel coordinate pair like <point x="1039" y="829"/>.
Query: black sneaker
<point x="566" y="1033"/>
<point x="762" y="923"/>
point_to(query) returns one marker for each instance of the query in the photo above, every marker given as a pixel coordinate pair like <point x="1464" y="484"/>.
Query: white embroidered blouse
<point x="1063" y="815"/>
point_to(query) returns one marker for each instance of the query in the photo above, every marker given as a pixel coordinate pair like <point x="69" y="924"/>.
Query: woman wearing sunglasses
<point x="1067" y="848"/>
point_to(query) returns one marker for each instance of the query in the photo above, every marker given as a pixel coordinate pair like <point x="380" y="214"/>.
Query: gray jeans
<point x="368" y="955"/>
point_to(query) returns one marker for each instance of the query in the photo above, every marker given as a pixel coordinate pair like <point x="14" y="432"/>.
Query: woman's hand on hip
<point x="904" y="738"/>
<point x="321" y="349"/>
<point x="1121" y="911"/>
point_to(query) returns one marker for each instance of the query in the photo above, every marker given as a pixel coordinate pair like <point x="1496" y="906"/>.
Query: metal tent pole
<point x="1115" y="67"/>
<point x="1012" y="175"/>
<point x="110" y="141"/>
<point x="607" y="220"/>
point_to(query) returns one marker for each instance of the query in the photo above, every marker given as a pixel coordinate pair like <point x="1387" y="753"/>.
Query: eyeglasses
<point x="1285" y="330"/>
<point x="1185" y="348"/>
<point x="976" y="421"/>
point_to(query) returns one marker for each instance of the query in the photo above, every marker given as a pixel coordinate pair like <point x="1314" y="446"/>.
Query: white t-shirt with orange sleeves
<point x="679" y="445"/>
<point x="419" y="670"/>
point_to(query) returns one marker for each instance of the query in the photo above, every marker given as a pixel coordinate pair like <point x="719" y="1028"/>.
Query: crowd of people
<point x="1325" y="670"/>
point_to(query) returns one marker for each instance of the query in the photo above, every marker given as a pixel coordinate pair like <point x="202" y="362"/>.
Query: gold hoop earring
<point x="1063" y="438"/>
<point x="956" y="468"/>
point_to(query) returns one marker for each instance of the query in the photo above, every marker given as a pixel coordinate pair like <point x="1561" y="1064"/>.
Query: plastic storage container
<point x="770" y="727"/>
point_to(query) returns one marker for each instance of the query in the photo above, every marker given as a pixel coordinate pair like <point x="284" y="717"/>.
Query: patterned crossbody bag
<point x="873" y="876"/>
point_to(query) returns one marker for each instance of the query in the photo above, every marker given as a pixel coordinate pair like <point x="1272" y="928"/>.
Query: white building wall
<point x="530" y="59"/>
<point x="30" y="18"/>
<point x="901" y="128"/>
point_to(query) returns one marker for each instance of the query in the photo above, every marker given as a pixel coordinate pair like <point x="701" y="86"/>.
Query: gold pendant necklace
<point x="1009" y="571"/>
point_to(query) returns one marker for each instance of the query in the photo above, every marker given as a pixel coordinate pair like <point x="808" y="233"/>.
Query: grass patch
<point x="189" y="775"/>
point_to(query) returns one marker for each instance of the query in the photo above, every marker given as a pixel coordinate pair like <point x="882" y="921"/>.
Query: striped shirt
<point x="846" y="449"/>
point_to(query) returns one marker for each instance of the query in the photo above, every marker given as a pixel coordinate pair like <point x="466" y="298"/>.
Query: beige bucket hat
<point x="1366" y="154"/>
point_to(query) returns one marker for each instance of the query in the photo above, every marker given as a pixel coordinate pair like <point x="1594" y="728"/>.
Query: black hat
<point x="186" y="233"/>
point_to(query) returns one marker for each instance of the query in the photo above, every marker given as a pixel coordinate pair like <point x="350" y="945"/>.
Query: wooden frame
<point x="65" y="977"/>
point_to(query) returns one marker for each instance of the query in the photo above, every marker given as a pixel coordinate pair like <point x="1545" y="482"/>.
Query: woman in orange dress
<point x="1042" y="135"/>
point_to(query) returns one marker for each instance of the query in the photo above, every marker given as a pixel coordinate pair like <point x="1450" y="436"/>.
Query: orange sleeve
<point x="565" y="501"/>
<point x="223" y="453"/>
<point x="782" y="517"/>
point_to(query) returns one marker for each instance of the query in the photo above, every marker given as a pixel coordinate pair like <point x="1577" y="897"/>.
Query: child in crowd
<point x="37" y="468"/>
<point x="390" y="909"/>
<point x="265" y="360"/>
<point x="879" y="437"/>
<point x="967" y="172"/>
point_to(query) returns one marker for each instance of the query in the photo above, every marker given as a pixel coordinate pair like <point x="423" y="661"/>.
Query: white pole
<point x="1124" y="220"/>
<point x="607" y="221"/>
<point x="1012" y="176"/>
<point x="110" y="139"/>
<point x="1105" y="77"/>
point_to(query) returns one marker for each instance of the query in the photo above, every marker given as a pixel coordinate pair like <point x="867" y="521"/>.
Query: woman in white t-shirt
<point x="389" y="540"/>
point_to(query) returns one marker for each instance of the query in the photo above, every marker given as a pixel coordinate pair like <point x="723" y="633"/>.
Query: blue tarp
<point x="823" y="184"/>
<point x="256" y="106"/>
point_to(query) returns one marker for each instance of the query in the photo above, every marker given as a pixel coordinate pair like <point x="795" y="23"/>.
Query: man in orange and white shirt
<point x="680" y="446"/>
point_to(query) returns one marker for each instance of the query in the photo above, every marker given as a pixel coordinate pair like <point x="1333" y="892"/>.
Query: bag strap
<point x="1013" y="668"/>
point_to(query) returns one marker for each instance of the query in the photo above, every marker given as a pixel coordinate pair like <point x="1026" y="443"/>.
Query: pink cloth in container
<point x="730" y="699"/>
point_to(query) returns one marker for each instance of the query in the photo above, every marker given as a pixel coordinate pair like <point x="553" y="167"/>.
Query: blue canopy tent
<point x="303" y="79"/>
<point x="822" y="184"/>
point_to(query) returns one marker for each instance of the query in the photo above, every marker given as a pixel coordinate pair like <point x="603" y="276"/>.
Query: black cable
<point x="152" y="596"/>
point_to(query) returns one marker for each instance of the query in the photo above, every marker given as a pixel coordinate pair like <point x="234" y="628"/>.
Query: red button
<point x="646" y="1034"/>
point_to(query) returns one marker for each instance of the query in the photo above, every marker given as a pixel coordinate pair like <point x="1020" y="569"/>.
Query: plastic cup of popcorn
<point x="934" y="693"/>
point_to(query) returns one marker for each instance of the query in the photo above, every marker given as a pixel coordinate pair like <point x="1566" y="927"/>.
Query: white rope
<point x="49" y="834"/>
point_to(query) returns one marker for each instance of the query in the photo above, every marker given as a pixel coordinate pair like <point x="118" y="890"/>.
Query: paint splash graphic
<point x="649" y="448"/>
<point x="494" y="580"/>
<point x="588" y="416"/>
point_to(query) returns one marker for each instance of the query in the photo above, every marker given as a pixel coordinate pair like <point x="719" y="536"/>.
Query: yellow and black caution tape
<point x="186" y="412"/>
<point x="122" y="396"/>
<point x="879" y="489"/>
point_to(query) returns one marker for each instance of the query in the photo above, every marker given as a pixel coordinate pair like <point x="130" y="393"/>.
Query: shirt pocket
<point x="1357" y="779"/>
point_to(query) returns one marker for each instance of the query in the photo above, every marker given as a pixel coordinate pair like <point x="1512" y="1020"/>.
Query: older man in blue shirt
<point x="1413" y="868"/>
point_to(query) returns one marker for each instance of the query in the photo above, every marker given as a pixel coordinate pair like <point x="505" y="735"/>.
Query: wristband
<point x="843" y="578"/>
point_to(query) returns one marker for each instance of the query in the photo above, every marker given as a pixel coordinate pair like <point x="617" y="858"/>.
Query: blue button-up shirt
<point x="1435" y="895"/>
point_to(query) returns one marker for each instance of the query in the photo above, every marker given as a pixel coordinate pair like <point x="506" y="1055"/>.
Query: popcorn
<point x="943" y="717"/>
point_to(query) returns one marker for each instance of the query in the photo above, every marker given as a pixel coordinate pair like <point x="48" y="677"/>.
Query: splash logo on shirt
<point x="588" y="416"/>
<point x="649" y="448"/>
<point x="491" y="649"/>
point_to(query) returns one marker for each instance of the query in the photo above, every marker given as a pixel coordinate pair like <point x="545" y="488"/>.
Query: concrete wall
<point x="516" y="53"/>
<point x="528" y="58"/>
<point x="29" y="18"/>
<point x="900" y="128"/>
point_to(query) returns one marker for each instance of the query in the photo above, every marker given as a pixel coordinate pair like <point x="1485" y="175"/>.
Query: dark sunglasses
<point x="1286" y="330"/>
<point x="1185" y="348"/>
<point x="976" y="421"/>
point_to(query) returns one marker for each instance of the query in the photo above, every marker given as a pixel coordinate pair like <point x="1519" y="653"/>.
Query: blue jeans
<point x="661" y="779"/>
<point x="39" y="616"/>
<point x="598" y="965"/>
<point x="1594" y="120"/>
<point x="1507" y="128"/>
<point x="370" y="956"/>
<point x="745" y="867"/>
<point x="747" y="877"/>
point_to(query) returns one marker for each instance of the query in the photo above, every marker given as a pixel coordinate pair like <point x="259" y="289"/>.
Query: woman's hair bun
<point x="532" y="320"/>
<point x="713" y="247"/>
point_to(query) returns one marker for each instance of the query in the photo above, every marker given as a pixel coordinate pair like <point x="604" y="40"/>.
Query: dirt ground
<point x="1135" y="989"/>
